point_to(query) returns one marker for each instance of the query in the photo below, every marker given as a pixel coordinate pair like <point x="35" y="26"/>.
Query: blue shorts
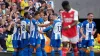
<point x="87" y="43"/>
<point x="42" y="43"/>
<point x="34" y="41"/>
<point x="79" y="44"/>
<point x="25" y="42"/>
<point x="55" y="43"/>
<point x="17" y="44"/>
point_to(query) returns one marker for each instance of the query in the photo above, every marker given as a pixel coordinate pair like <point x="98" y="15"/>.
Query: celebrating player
<point x="16" y="39"/>
<point x="56" y="35"/>
<point x="34" y="36"/>
<point x="69" y="28"/>
<point x="24" y="34"/>
<point x="41" y="21"/>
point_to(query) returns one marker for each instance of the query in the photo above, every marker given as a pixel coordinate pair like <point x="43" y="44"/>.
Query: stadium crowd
<point x="13" y="13"/>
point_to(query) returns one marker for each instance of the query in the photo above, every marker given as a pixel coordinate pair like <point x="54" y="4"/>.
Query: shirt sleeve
<point x="48" y="28"/>
<point x="76" y="15"/>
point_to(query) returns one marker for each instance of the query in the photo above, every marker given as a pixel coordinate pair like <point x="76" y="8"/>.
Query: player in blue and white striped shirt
<point x="41" y="21"/>
<point x="35" y="40"/>
<point x="56" y="35"/>
<point x="88" y="29"/>
<point x="25" y="34"/>
<point x="79" y="35"/>
<point x="16" y="39"/>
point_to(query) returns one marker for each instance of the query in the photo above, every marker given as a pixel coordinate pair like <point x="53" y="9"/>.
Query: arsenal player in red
<point x="69" y="28"/>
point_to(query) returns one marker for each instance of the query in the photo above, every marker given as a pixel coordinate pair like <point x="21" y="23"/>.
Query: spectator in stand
<point x="3" y="37"/>
<point x="23" y="4"/>
<point x="3" y="6"/>
<point x="43" y="6"/>
<point x="30" y="8"/>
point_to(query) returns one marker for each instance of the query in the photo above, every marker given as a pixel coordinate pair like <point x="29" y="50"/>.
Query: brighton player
<point x="79" y="36"/>
<point x="34" y="37"/>
<point x="88" y="29"/>
<point x="16" y="39"/>
<point x="25" y="34"/>
<point x="56" y="35"/>
<point x="41" y="21"/>
<point x="69" y="28"/>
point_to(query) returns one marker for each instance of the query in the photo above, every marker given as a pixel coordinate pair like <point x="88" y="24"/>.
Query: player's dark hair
<point x="65" y="3"/>
<point x="42" y="2"/>
<point x="36" y="13"/>
<point x="26" y="14"/>
<point x="89" y="14"/>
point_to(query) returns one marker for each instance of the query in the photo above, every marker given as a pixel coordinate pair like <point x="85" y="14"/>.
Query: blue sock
<point x="38" y="51"/>
<point x="15" y="54"/>
<point x="81" y="53"/>
<point x="30" y="51"/>
<point x="43" y="52"/>
<point x="84" y="53"/>
<point x="91" y="53"/>
<point x="20" y="53"/>
<point x="60" y="52"/>
<point x="53" y="53"/>
<point x="26" y="51"/>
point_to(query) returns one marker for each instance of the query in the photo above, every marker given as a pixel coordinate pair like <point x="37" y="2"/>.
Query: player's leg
<point x="65" y="41"/>
<point x="32" y="45"/>
<point x="53" y="45"/>
<point x="58" y="45"/>
<point x="20" y="50"/>
<point x="84" y="47"/>
<point x="38" y="47"/>
<point x="15" y="46"/>
<point x="91" y="44"/>
<point x="74" y="41"/>
<point x="25" y="47"/>
<point x="79" y="46"/>
<point x="42" y="46"/>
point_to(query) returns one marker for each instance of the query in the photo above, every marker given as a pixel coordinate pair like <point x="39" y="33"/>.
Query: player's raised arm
<point x="45" y="25"/>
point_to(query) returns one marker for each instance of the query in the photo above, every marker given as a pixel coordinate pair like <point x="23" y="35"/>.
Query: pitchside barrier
<point x="10" y="54"/>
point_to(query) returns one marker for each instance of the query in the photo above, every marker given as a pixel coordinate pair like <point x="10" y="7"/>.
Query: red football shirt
<point x="67" y="19"/>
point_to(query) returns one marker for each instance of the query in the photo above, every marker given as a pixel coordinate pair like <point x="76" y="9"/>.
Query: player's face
<point x="90" y="17"/>
<point x="42" y="14"/>
<point x="67" y="8"/>
<point x="45" y="17"/>
<point x="37" y="16"/>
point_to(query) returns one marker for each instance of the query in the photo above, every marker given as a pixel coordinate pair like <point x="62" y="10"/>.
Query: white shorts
<point x="73" y="40"/>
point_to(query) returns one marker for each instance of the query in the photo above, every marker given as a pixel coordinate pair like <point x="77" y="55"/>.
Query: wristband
<point x="69" y="26"/>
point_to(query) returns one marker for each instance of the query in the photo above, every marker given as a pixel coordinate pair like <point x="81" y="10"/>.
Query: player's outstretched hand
<point x="65" y="28"/>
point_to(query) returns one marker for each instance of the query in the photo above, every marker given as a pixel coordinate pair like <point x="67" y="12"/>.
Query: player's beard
<point x="90" y="19"/>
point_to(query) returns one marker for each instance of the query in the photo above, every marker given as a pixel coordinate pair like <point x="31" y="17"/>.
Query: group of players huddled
<point x="29" y="33"/>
